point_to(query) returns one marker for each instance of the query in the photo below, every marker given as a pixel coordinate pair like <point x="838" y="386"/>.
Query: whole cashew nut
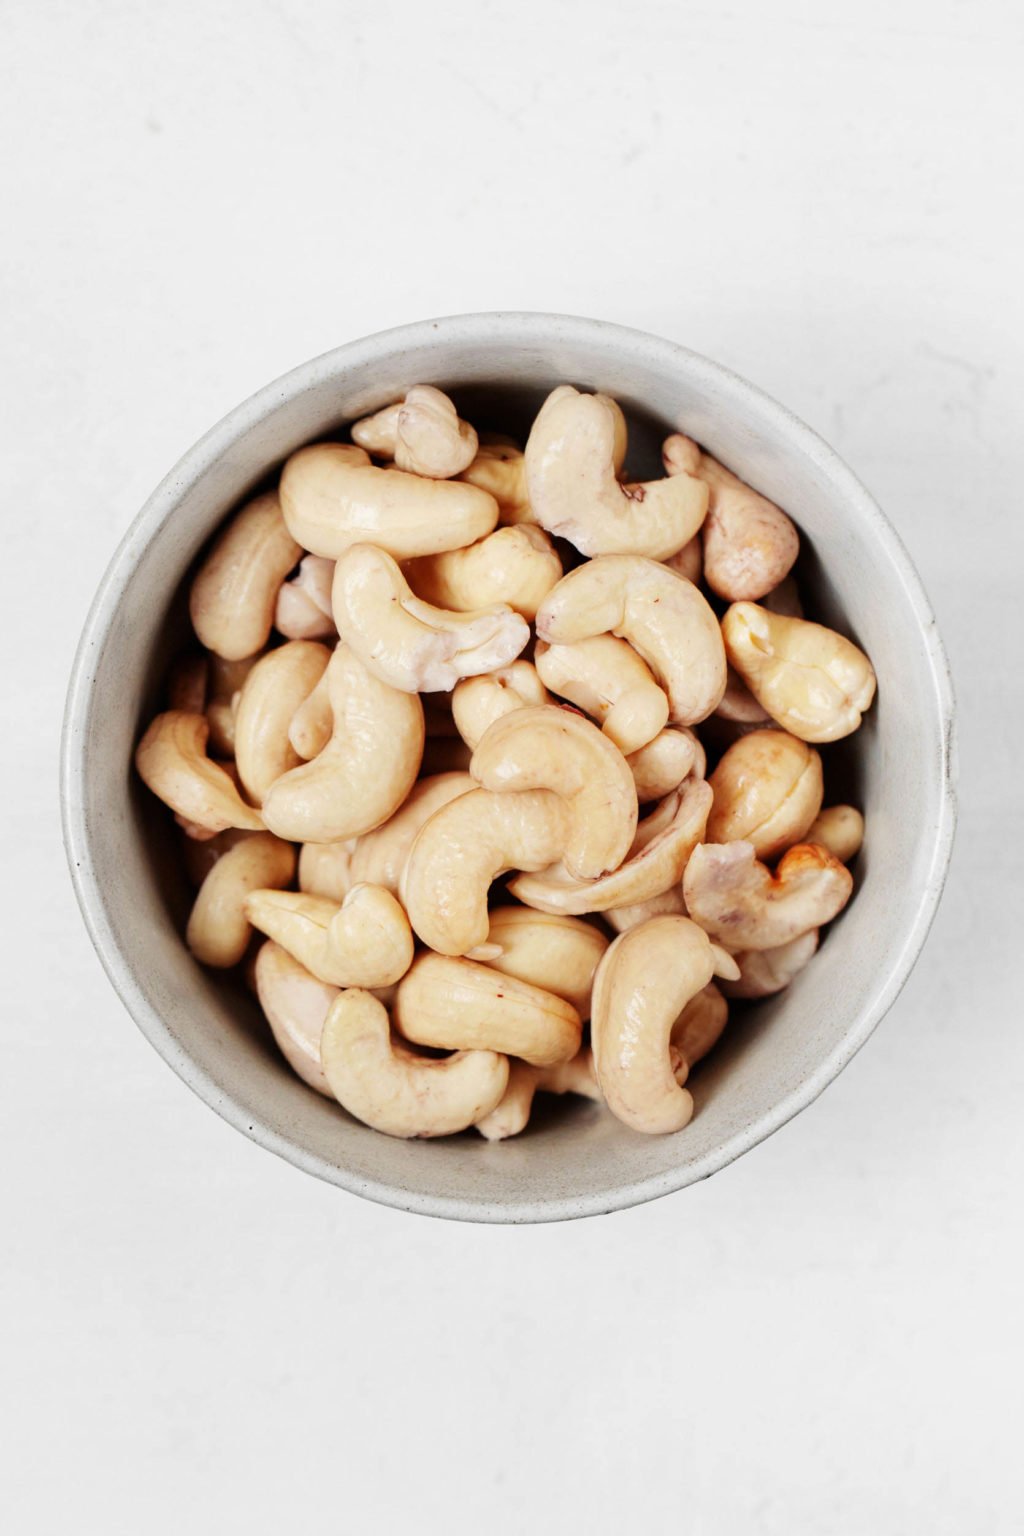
<point x="235" y="590"/>
<point x="409" y="643"/>
<point x="478" y="701"/>
<point x="500" y="469"/>
<point x="513" y="1112"/>
<point x="171" y="761"/>
<point x="296" y="1007"/>
<point x="366" y="942"/>
<point x="764" y="972"/>
<point x="840" y="829"/>
<point x="813" y="681"/>
<point x="517" y="566"/>
<point x="379" y="857"/>
<point x="573" y="490"/>
<point x="664" y="618"/>
<point x="697" y="1030"/>
<point x="422" y="433"/>
<point x="606" y="678"/>
<point x="366" y="769"/>
<point x="303" y="610"/>
<point x="559" y="954"/>
<point x="768" y="788"/>
<point x="325" y="869"/>
<point x="548" y="747"/>
<point x="458" y="1004"/>
<point x="663" y="764"/>
<point x="274" y="689"/>
<point x="218" y="930"/>
<point x="390" y="1089"/>
<point x="740" y="902"/>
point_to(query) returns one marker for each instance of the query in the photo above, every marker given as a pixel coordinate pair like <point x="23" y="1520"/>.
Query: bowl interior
<point x="775" y="1057"/>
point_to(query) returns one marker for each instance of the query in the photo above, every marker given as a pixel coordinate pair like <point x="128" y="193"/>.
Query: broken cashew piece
<point x="422" y="433"/>
<point x="840" y="829"/>
<point x="814" y="682"/>
<point x="235" y="590"/>
<point x="663" y="764"/>
<point x="379" y="857"/>
<point x="218" y="930"/>
<point x="768" y="788"/>
<point x="458" y="1004"/>
<point x="500" y="469"/>
<point x="296" y="1006"/>
<point x="392" y="1090"/>
<point x="559" y="954"/>
<point x="274" y="689"/>
<point x="171" y="761"/>
<point x="303" y="610"/>
<point x="697" y="1030"/>
<point x="516" y="566"/>
<point x="366" y="942"/>
<point x="325" y="869"/>
<point x="478" y="701"/>
<point x="548" y="747"/>
<point x="409" y="643"/>
<point x="513" y="1112"/>
<point x="738" y="900"/>
<point x="764" y="972"/>
<point x="605" y="677"/>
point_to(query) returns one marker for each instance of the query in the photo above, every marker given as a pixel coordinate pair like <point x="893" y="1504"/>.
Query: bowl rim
<point x="480" y="327"/>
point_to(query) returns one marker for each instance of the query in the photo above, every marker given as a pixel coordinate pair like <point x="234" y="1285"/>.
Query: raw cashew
<point x="570" y="477"/>
<point x="303" y="610"/>
<point x="665" y="762"/>
<point x="766" y="971"/>
<point x="387" y="1087"/>
<point x="218" y="930"/>
<point x="379" y="856"/>
<point x="422" y="433"/>
<point x="662" y="616"/>
<point x="813" y="681"/>
<point x="767" y="788"/>
<point x="332" y="497"/>
<point x="366" y="942"/>
<point x="311" y="725"/>
<point x="325" y="869"/>
<point x="697" y="1030"/>
<point x="225" y="684"/>
<point x="366" y="769"/>
<point x="274" y="689"/>
<point x="517" y="566"/>
<point x="478" y="701"/>
<point x="234" y="593"/>
<point x="688" y="561"/>
<point x="840" y="829"/>
<point x="622" y="919"/>
<point x="513" y="1113"/>
<point x="409" y="643"/>
<point x="296" y="1006"/>
<point x="643" y="984"/>
<point x="458" y="1005"/>
<point x="749" y="542"/>
<point x="559" y="954"/>
<point x="171" y="761"/>
<point x="463" y="847"/>
<point x="740" y="902"/>
<point x="500" y="469"/>
<point x="187" y="683"/>
<point x="661" y="848"/>
<point x="606" y="677"/>
<point x="548" y="747"/>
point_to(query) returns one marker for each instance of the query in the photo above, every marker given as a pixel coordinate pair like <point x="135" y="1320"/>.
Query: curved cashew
<point x="500" y="469"/>
<point x="394" y="1091"/>
<point x="548" y="747"/>
<point x="310" y="727"/>
<point x="813" y="681"/>
<point x="272" y="692"/>
<point x="516" y="566"/>
<point x="840" y="829"/>
<point x="622" y="919"/>
<point x="570" y="476"/>
<point x="513" y="1112"/>
<point x="749" y="543"/>
<point x="296" y="1006"/>
<point x="558" y="954"/>
<point x="739" y="901"/>
<point x="171" y="761"/>
<point x="767" y="788"/>
<point x="218" y="930"/>
<point x="662" y="616"/>
<point x="303" y="610"/>
<point x="325" y="869"/>
<point x="643" y="985"/>
<point x="422" y="433"/>
<point x="606" y="678"/>
<point x="664" y="842"/>
<point x="460" y="1005"/>
<point x="379" y="857"/>
<point x="463" y="847"/>
<point x="688" y="561"/>
<point x="366" y="942"/>
<point x="766" y="971"/>
<point x="478" y="701"/>
<point x="697" y="1030"/>
<point x="235" y="590"/>
<point x="665" y="762"/>
<point x="187" y="683"/>
<point x="332" y="497"/>
<point x="366" y="769"/>
<point x="409" y="643"/>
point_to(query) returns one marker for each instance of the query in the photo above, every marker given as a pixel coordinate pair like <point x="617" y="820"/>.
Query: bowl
<point x="777" y="1057"/>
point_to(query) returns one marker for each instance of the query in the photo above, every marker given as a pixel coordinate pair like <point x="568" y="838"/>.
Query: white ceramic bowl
<point x="578" y="1161"/>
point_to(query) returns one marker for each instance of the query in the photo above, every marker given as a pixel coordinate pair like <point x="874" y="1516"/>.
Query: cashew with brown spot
<point x="768" y="788"/>
<point x="663" y="764"/>
<point x="517" y="566"/>
<point x="325" y="869"/>
<point x="559" y="954"/>
<point x="738" y="900"/>
<point x="171" y="761"/>
<point x="379" y="857"/>
<point x="458" y="1004"/>
<point x="513" y="1112"/>
<point x="218" y="929"/>
<point x="422" y="433"/>
<point x="840" y="829"/>
<point x="235" y="590"/>
<point x="296" y="1006"/>
<point x="764" y="972"/>
<point x="275" y="688"/>
<point x="478" y="701"/>
<point x="366" y="942"/>
<point x="811" y="680"/>
<point x="605" y="677"/>
<point x="303" y="609"/>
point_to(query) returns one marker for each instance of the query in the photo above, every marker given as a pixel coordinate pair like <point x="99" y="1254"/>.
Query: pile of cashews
<point x="437" y="759"/>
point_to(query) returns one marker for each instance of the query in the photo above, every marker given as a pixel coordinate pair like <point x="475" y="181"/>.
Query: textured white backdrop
<point x="823" y="1338"/>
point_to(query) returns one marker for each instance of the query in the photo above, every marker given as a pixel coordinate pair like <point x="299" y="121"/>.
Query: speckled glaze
<point x="578" y="1161"/>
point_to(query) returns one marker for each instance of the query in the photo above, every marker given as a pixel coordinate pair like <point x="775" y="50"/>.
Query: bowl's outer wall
<point x="583" y="1162"/>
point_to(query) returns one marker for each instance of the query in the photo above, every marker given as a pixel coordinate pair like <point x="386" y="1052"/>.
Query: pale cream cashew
<point x="366" y="769"/>
<point x="559" y="954"/>
<point x="366" y="942"/>
<point x="303" y="609"/>
<point x="332" y="497"/>
<point x="379" y="857"/>
<point x="663" y="764"/>
<point x="171" y="761"/>
<point x="422" y="433"/>
<point x="811" y="680"/>
<point x="645" y="981"/>
<point x="688" y="561"/>
<point x="235" y="589"/>
<point x="605" y="677"/>
<point x="445" y="754"/>
<point x="409" y="643"/>
<point x="661" y="848"/>
<point x="840" y="829"/>
<point x="738" y="900"/>
<point x="296" y="1007"/>
<point x="458" y="1004"/>
<point x="548" y="747"/>
<point x="764" y="972"/>
<point x="392" y="1090"/>
<point x="574" y="493"/>
<point x="274" y="689"/>
<point x="310" y="727"/>
<point x="513" y="1112"/>
<point x="187" y="683"/>
<point x="218" y="930"/>
<point x="517" y="566"/>
<point x="664" y="618"/>
<point x="463" y="847"/>
<point x="768" y="788"/>
<point x="749" y="543"/>
<point x="478" y="701"/>
<point x="697" y="1030"/>
<point x="500" y="469"/>
<point x="226" y="679"/>
<point x="325" y="869"/>
<point x="622" y="919"/>
<point x="738" y="704"/>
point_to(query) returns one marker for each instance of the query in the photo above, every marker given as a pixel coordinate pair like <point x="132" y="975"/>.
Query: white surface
<point x="821" y="1339"/>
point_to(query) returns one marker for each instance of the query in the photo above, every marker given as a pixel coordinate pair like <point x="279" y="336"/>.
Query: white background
<point x="824" y="1338"/>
